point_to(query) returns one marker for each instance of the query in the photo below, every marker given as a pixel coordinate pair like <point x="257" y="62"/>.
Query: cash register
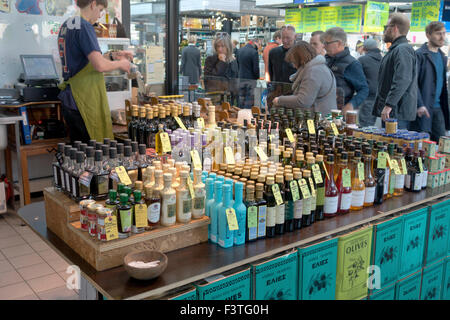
<point x="39" y="81"/>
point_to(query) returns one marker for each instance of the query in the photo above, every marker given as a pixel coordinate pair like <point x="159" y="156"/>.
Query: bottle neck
<point x="238" y="194"/>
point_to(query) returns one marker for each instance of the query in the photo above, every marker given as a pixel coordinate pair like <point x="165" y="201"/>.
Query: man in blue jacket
<point x="432" y="97"/>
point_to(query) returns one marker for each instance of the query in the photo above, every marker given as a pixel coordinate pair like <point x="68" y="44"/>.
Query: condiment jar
<point x="92" y="217"/>
<point x="102" y="214"/>
<point x="84" y="213"/>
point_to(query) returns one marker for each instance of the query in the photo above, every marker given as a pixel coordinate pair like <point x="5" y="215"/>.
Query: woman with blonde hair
<point x="314" y="85"/>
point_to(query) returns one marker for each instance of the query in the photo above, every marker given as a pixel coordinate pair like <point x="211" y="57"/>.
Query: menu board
<point x="293" y="17"/>
<point x="422" y="13"/>
<point x="376" y="16"/>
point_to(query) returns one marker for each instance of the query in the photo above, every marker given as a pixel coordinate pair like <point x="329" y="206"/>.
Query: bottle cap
<point x="330" y="158"/>
<point x="106" y="141"/>
<point x="113" y="144"/>
<point x="127" y="151"/>
<point x="138" y="185"/>
<point x="310" y="160"/>
<point x="120" y="147"/>
<point x="306" y="173"/>
<point x="98" y="155"/>
<point x="127" y="142"/>
<point x="83" y="147"/>
<point x="67" y="150"/>
<point x="90" y="152"/>
<point x="105" y="150"/>
<point x="344" y="155"/>
<point x="73" y="153"/>
<point x="91" y="143"/>
<point x="142" y="149"/>
<point x="80" y="156"/>
<point x="270" y="180"/>
<point x="123" y="198"/>
<point x="279" y="178"/>
<point x="319" y="158"/>
<point x="112" y="153"/>
<point x="61" y="147"/>
<point x="167" y="177"/>
<point x="288" y="176"/>
<point x="76" y="144"/>
<point x="134" y="146"/>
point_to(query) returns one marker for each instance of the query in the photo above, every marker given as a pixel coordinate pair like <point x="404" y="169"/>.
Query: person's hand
<point x="346" y="108"/>
<point x="275" y="101"/>
<point x="124" y="54"/>
<point x="124" y="65"/>
<point x="222" y="57"/>
<point x="385" y="113"/>
<point x="423" y="111"/>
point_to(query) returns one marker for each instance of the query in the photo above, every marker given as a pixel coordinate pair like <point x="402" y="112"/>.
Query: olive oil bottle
<point x="271" y="207"/>
<point x="252" y="214"/>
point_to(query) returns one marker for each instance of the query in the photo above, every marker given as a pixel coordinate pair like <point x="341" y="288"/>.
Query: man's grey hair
<point x="335" y="33"/>
<point x="288" y="27"/>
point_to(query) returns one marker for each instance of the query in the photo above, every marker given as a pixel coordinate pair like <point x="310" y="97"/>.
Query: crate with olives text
<point x="63" y="219"/>
<point x="445" y="294"/>
<point x="432" y="281"/>
<point x="408" y="288"/>
<point x="438" y="229"/>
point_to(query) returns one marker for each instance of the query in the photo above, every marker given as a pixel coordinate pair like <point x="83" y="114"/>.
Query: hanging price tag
<point x="313" y="190"/>
<point x="277" y="194"/>
<point x="111" y="230"/>
<point x="311" y="127"/>
<point x="335" y="129"/>
<point x="395" y="167"/>
<point x="140" y="214"/>
<point x="252" y="217"/>
<point x="388" y="158"/>
<point x="123" y="175"/>
<point x="231" y="219"/>
<point x="229" y="156"/>
<point x="346" y="178"/>
<point x="361" y="171"/>
<point x="191" y="187"/>
<point x="271" y="137"/>
<point x="404" y="168"/>
<point x="180" y="123"/>
<point x="165" y="142"/>
<point x="304" y="188"/>
<point x="381" y="160"/>
<point x="419" y="159"/>
<point x="317" y="174"/>
<point x="289" y="135"/>
<point x="196" y="159"/>
<point x="201" y="123"/>
<point x="294" y="190"/>
<point x="262" y="155"/>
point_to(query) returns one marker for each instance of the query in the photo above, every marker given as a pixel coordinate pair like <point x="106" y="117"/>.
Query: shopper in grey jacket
<point x="397" y="78"/>
<point x="314" y="85"/>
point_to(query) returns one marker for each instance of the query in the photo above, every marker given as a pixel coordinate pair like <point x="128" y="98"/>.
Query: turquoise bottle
<point x="241" y="213"/>
<point x="215" y="211"/>
<point x="231" y="183"/>
<point x="212" y="175"/>
<point x="225" y="239"/>
<point x="209" y="201"/>
<point x="220" y="178"/>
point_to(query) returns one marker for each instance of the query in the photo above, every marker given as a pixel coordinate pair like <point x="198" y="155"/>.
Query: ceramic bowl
<point x="145" y="256"/>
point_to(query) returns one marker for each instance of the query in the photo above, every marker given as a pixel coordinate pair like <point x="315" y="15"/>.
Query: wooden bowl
<point x="145" y="256"/>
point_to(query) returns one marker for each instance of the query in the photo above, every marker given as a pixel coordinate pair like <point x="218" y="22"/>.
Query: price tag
<point x="201" y="123"/>
<point x="317" y="174"/>
<point x="381" y="160"/>
<point x="271" y="136"/>
<point x="231" y="219"/>
<point x="388" y="158"/>
<point x="419" y="159"/>
<point x="346" y="178"/>
<point x="294" y="190"/>
<point x="165" y="142"/>
<point x="196" y="159"/>
<point x="180" y="123"/>
<point x="404" y="168"/>
<point x="326" y="171"/>
<point x="361" y="171"/>
<point x="277" y="194"/>
<point x="262" y="155"/>
<point x="395" y="167"/>
<point x="140" y="214"/>
<point x="229" y="156"/>
<point x="191" y="187"/>
<point x="290" y="136"/>
<point x="304" y="188"/>
<point x="252" y="217"/>
<point x="313" y="190"/>
<point x="111" y="228"/>
<point x="123" y="175"/>
<point x="335" y="129"/>
<point x="311" y="127"/>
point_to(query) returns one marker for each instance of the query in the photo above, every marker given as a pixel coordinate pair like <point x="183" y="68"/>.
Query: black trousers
<point x="75" y="123"/>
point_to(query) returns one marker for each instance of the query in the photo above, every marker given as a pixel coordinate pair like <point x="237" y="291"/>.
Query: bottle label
<point x="231" y="219"/>
<point x="289" y="135"/>
<point x="154" y="212"/>
<point x="346" y="201"/>
<point x="187" y="206"/>
<point x="311" y="127"/>
<point x="252" y="217"/>
<point x="399" y="181"/>
<point x="306" y="207"/>
<point x="207" y="164"/>
<point x="320" y="196"/>
<point x="271" y="216"/>
<point x="125" y="220"/>
<point x="370" y="195"/>
<point x="280" y="214"/>
<point x="298" y="209"/>
<point x="277" y="194"/>
<point x="418" y="181"/>
<point x="331" y="205"/>
<point x="111" y="228"/>
<point x="317" y="174"/>
<point x="262" y="211"/>
<point x="358" y="198"/>
<point x="294" y="189"/>
<point x="361" y="171"/>
<point x="171" y="210"/>
<point x="196" y="159"/>
<point x="304" y="188"/>
<point x="424" y="178"/>
<point x="408" y="181"/>
<point x="382" y="158"/>
<point x="123" y="175"/>
<point x="140" y="215"/>
<point x="199" y="203"/>
<point x="404" y="168"/>
<point x="386" y="181"/>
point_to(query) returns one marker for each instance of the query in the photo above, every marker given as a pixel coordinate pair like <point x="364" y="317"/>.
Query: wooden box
<point x="63" y="219"/>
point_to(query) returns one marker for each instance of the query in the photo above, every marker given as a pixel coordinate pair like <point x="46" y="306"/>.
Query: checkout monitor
<point x="39" y="67"/>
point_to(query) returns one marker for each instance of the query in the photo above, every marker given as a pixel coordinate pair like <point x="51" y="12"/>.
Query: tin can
<point x="102" y="214"/>
<point x="92" y="218"/>
<point x="84" y="213"/>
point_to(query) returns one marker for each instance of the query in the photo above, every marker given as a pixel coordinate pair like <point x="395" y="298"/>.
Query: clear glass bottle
<point x="168" y="202"/>
<point x="184" y="200"/>
<point x="142" y="162"/>
<point x="369" y="180"/>
<point x="330" y="206"/>
<point x="130" y="165"/>
<point x="57" y="166"/>
<point x="344" y="185"/>
<point x="79" y="190"/>
<point x="153" y="199"/>
<point x="198" y="210"/>
<point x="69" y="169"/>
<point x="358" y="186"/>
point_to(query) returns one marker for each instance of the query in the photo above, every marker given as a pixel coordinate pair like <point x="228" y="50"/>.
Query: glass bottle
<point x="281" y="209"/>
<point x="149" y="177"/>
<point x="69" y="171"/>
<point x="142" y="161"/>
<point x="330" y="206"/>
<point x="124" y="213"/>
<point x="391" y="181"/>
<point x="138" y="201"/>
<point x="251" y="233"/>
<point x="358" y="186"/>
<point x="112" y="202"/>
<point x="79" y="190"/>
<point x="400" y="178"/>
<point x="425" y="169"/>
<point x="132" y="126"/>
<point x="198" y="210"/>
<point x="312" y="188"/>
<point x="141" y="128"/>
<point x="271" y="207"/>
<point x="225" y="236"/>
<point x="120" y="154"/>
<point x="105" y="150"/>
<point x="218" y="197"/>
<point x="262" y="210"/>
<point x="380" y="174"/>
<point x="209" y="203"/>
<point x="168" y="202"/>
<point x="298" y="205"/>
<point x="100" y="178"/>
<point x="344" y="185"/>
<point x="289" y="204"/>
<point x="184" y="200"/>
<point x="151" y="130"/>
<point x="287" y="158"/>
<point x="413" y="181"/>
<point x="64" y="167"/>
<point x="369" y="180"/>
<point x="113" y="163"/>
<point x="153" y="199"/>
<point x="130" y="165"/>
<point x="319" y="179"/>
<point x="57" y="165"/>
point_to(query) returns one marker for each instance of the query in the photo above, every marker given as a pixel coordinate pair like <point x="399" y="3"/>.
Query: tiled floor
<point x="29" y="268"/>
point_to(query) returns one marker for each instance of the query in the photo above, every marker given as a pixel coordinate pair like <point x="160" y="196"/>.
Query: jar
<point x="84" y="213"/>
<point x="351" y="117"/>
<point x="391" y="126"/>
<point x="102" y="215"/>
<point x="92" y="218"/>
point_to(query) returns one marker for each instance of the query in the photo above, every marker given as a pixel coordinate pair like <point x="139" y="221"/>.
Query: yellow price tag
<point x="361" y="171"/>
<point x="201" y="123"/>
<point x="289" y="135"/>
<point x="304" y="188"/>
<point x="111" y="230"/>
<point x="404" y="168"/>
<point x="123" y="175"/>
<point x="196" y="159"/>
<point x="395" y="167"/>
<point x="262" y="155"/>
<point x="229" y="156"/>
<point x="311" y="127"/>
<point x="317" y="174"/>
<point x="191" y="187"/>
<point x="180" y="123"/>
<point x="335" y="129"/>
<point x="165" y="142"/>
<point x="419" y="159"/>
<point x="346" y="178"/>
<point x="271" y="136"/>
<point x="277" y="194"/>
<point x="231" y="219"/>
<point x="140" y="214"/>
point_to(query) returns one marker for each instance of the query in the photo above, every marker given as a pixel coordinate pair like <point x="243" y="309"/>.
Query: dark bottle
<point x="79" y="190"/>
<point x="133" y="125"/>
<point x="380" y="173"/>
<point x="298" y="205"/>
<point x="142" y="161"/>
<point x="91" y="143"/>
<point x="113" y="163"/>
<point x="141" y="126"/>
<point x="100" y="178"/>
<point x="262" y="210"/>
<point x="312" y="189"/>
<point x="112" y="202"/>
<point x="424" y="168"/>
<point x="57" y="165"/>
<point x="252" y="214"/>
<point x="124" y="214"/>
<point x="151" y="129"/>
<point x="318" y="177"/>
<point x="289" y="204"/>
<point x="130" y="165"/>
<point x="281" y="209"/>
<point x="137" y="201"/>
<point x="413" y="181"/>
<point x="69" y="172"/>
<point x="271" y="208"/>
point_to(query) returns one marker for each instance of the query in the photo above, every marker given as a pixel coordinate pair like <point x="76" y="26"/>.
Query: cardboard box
<point x="317" y="271"/>
<point x="442" y="161"/>
<point x="447" y="160"/>
<point x="433" y="180"/>
<point x="276" y="279"/>
<point x="430" y="148"/>
<point x="233" y="285"/>
<point x="438" y="229"/>
<point x="413" y="243"/>
<point x="387" y="293"/>
<point x="433" y="164"/>
<point x="432" y="281"/>
<point x="444" y="144"/>
<point x="409" y="287"/>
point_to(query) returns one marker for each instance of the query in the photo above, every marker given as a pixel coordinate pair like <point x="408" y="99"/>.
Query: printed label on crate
<point x="189" y="295"/>
<point x="276" y="279"/>
<point x="409" y="288"/>
<point x="317" y="271"/>
<point x="438" y="230"/>
<point x="387" y="293"/>
<point x="233" y="287"/>
<point x="432" y="281"/>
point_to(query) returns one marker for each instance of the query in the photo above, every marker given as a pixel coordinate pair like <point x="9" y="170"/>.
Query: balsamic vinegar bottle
<point x="380" y="173"/>
<point x="271" y="208"/>
<point x="289" y="205"/>
<point x="252" y="214"/>
<point x="281" y="209"/>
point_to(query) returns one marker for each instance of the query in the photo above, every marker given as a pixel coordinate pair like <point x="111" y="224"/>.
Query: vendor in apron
<point x="83" y="92"/>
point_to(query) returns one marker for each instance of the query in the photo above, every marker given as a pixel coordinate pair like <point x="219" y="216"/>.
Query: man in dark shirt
<point x="248" y="61"/>
<point x="191" y="65"/>
<point x="279" y="69"/>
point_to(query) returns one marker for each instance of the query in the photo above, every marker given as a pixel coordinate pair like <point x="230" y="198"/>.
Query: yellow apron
<point x="89" y="92"/>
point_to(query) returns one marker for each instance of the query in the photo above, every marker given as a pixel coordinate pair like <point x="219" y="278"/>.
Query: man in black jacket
<point x="191" y="65"/>
<point x="397" y="78"/>
<point x="432" y="96"/>
<point x="248" y="61"/>
<point x="370" y="62"/>
<point x="279" y="69"/>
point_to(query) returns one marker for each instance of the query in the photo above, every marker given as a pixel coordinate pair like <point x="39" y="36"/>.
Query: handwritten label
<point x="180" y="123"/>
<point x="196" y="159"/>
<point x="123" y="175"/>
<point x="317" y="174"/>
<point x="289" y="135"/>
<point x="140" y="214"/>
<point x="304" y="188"/>
<point x="231" y="219"/>
<point x="111" y="230"/>
<point x="262" y="155"/>
<point x="165" y="142"/>
<point x="294" y="190"/>
<point x="277" y="194"/>
<point x="361" y="171"/>
<point x="229" y="156"/>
